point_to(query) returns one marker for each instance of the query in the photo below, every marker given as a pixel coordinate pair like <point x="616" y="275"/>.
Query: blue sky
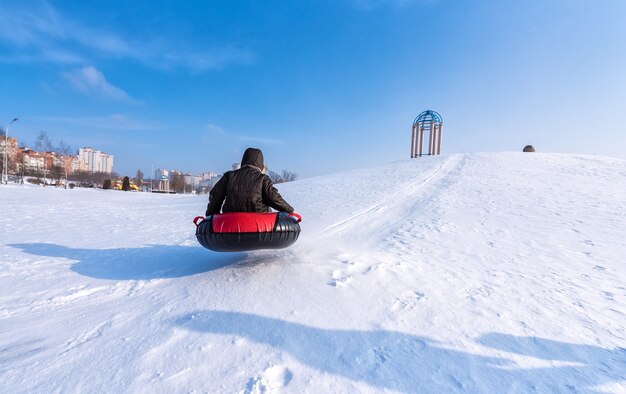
<point x="320" y="86"/>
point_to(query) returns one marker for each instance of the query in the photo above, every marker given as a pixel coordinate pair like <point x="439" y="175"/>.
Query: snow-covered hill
<point x="465" y="273"/>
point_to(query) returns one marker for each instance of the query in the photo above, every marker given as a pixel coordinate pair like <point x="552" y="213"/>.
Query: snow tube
<point x="242" y="231"/>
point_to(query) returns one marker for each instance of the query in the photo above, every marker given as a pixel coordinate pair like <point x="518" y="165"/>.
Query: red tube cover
<point x="244" y="222"/>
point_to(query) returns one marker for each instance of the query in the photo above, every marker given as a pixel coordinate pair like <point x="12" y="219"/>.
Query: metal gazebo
<point x="431" y="122"/>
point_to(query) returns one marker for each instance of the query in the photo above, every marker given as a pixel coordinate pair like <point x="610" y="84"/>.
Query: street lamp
<point x="5" y="172"/>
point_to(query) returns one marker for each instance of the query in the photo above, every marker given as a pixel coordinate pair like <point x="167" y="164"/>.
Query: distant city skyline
<point x="22" y="159"/>
<point x="318" y="86"/>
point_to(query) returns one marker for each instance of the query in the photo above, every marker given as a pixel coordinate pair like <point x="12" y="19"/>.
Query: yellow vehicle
<point x="117" y="185"/>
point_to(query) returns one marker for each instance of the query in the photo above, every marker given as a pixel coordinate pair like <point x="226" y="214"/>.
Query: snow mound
<point x="462" y="273"/>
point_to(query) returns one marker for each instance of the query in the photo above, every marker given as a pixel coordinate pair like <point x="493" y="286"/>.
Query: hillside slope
<point x="463" y="273"/>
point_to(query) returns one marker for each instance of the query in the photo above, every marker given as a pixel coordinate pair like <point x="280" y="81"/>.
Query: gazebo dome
<point x="428" y="116"/>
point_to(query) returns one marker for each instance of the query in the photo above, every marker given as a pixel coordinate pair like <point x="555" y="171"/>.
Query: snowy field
<point x="466" y="273"/>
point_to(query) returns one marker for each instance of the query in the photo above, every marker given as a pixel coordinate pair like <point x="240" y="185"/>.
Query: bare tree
<point x="275" y="177"/>
<point x="10" y="164"/>
<point x="289" y="176"/>
<point x="284" y="176"/>
<point x="178" y="183"/>
<point x="56" y="173"/>
<point x="139" y="178"/>
<point x="63" y="149"/>
<point x="43" y="143"/>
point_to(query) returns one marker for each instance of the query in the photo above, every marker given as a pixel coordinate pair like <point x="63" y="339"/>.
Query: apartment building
<point x="95" y="160"/>
<point x="31" y="160"/>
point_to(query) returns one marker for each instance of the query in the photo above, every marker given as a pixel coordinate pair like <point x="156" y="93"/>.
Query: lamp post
<point x="5" y="172"/>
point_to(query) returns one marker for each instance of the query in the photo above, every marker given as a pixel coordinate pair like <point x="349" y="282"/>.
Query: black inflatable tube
<point x="285" y="233"/>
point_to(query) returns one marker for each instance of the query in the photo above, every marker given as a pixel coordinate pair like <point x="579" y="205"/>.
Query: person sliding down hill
<point x="247" y="189"/>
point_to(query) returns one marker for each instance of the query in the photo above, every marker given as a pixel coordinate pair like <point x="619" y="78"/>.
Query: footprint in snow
<point x="480" y="291"/>
<point x="407" y="300"/>
<point x="340" y="279"/>
<point x="271" y="380"/>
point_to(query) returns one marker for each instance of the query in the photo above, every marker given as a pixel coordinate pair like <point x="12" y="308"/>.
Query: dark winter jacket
<point x="246" y="189"/>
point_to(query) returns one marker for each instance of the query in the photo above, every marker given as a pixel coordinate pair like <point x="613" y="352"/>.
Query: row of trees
<point x="96" y="178"/>
<point x="105" y="180"/>
<point x="43" y="143"/>
<point x="178" y="184"/>
<point x="102" y="179"/>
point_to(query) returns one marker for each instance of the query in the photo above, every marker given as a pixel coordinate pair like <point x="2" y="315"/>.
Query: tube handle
<point x="195" y="220"/>
<point x="295" y="217"/>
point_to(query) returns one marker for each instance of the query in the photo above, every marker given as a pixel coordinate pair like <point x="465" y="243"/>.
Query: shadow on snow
<point x="151" y="262"/>
<point x="410" y="363"/>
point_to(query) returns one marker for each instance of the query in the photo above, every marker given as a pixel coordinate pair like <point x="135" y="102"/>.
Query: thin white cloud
<point x="91" y="81"/>
<point x="49" y="56"/>
<point x="218" y="132"/>
<point x="28" y="28"/>
<point x="198" y="61"/>
<point x="114" y="122"/>
<point x="41" y="33"/>
<point x="61" y="56"/>
<point x="215" y="130"/>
